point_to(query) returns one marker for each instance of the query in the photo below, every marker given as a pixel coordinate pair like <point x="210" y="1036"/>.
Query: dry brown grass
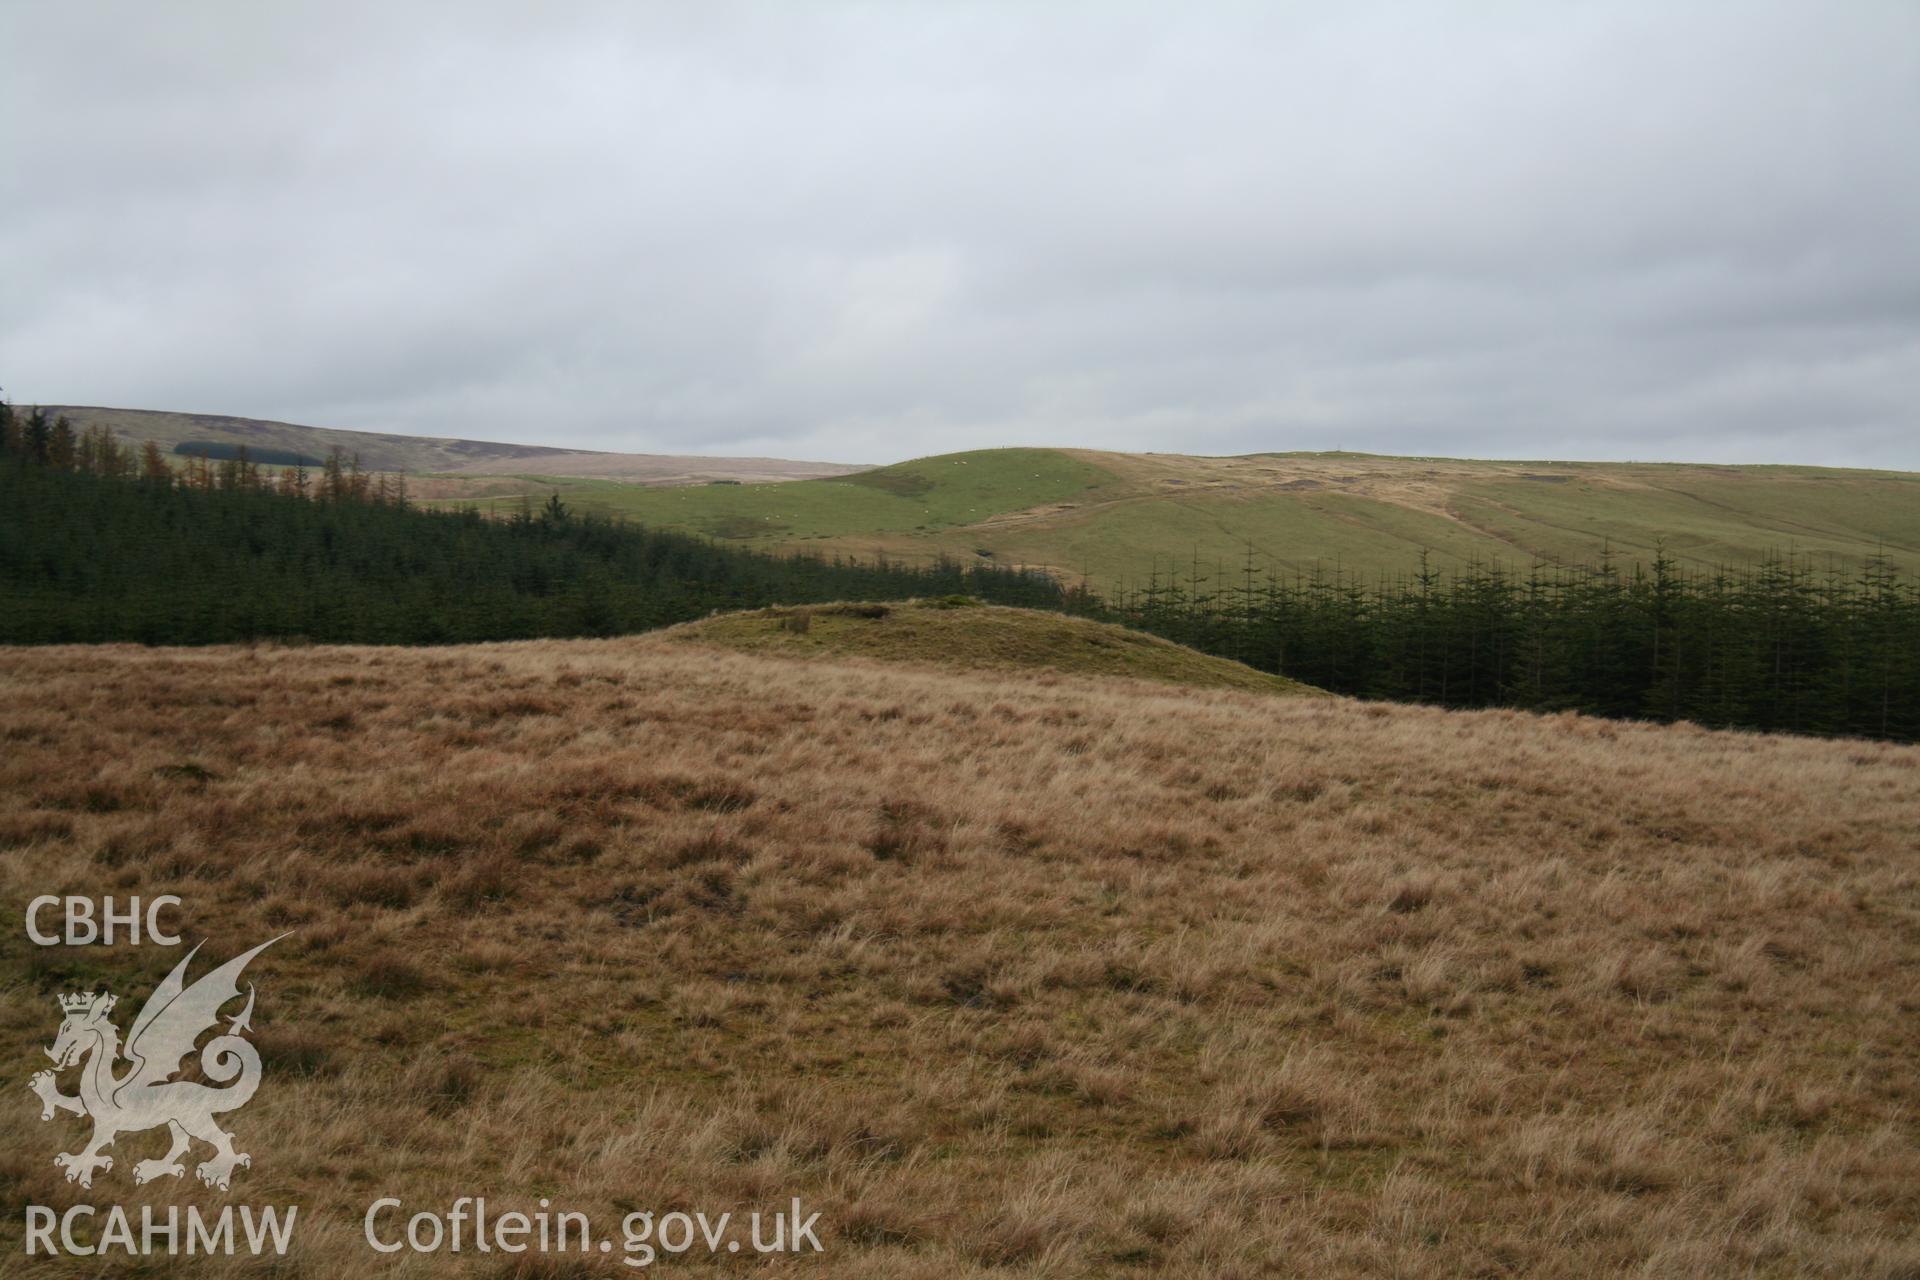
<point x="1015" y="973"/>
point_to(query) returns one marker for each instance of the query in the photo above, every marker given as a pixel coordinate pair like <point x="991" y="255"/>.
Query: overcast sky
<point x="863" y="232"/>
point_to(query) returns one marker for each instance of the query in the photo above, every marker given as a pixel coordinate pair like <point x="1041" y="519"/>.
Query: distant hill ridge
<point x="430" y="454"/>
<point x="1129" y="517"/>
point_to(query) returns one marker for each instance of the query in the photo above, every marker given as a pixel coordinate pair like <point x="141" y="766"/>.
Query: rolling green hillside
<point x="1116" y="517"/>
<point x="910" y="501"/>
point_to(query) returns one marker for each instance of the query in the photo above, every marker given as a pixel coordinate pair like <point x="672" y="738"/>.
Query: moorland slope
<point x="1119" y="518"/>
<point x="993" y="969"/>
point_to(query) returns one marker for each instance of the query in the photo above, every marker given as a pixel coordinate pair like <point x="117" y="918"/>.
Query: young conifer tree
<point x="62" y="445"/>
<point x="36" y="435"/>
<point x="333" y="482"/>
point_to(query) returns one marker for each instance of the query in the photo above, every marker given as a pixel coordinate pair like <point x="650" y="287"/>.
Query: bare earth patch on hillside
<point x="1003" y="973"/>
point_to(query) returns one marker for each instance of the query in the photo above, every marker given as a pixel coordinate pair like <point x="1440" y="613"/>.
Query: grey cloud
<point x="868" y="231"/>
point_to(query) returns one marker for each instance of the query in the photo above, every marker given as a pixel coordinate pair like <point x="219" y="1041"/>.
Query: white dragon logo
<point x="173" y="1018"/>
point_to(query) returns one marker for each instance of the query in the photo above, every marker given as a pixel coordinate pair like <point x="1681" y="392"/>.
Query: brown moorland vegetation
<point x="1004" y="973"/>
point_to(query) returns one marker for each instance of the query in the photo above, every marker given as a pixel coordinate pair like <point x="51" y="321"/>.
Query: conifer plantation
<point x="120" y="547"/>
<point x="1780" y="646"/>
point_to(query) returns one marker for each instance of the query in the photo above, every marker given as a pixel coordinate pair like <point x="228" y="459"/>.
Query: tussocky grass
<point x="1006" y="973"/>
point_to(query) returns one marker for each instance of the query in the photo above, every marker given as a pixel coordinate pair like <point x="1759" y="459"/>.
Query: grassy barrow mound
<point x="960" y="632"/>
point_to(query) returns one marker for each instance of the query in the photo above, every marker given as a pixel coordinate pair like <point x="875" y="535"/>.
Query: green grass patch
<point x="1129" y="542"/>
<point x="919" y="497"/>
